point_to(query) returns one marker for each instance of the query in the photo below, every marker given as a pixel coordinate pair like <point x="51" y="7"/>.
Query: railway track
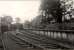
<point x="62" y="36"/>
<point x="21" y="42"/>
<point x="3" y="45"/>
<point x="18" y="41"/>
<point x="31" y="39"/>
<point x="35" y="41"/>
<point x="64" y="43"/>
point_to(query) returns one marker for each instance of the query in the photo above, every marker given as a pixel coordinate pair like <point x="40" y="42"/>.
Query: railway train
<point x="5" y="28"/>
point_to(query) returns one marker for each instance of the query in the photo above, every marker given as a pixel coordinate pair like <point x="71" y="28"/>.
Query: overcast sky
<point x="26" y="10"/>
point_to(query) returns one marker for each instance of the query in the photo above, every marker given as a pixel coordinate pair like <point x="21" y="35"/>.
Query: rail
<point x="3" y="42"/>
<point x="70" y="31"/>
<point x="62" y="35"/>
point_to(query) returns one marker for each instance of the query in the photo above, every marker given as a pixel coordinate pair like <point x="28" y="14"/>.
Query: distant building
<point x="36" y="21"/>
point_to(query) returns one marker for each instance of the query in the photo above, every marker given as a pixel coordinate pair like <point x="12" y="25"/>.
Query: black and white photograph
<point x="36" y="24"/>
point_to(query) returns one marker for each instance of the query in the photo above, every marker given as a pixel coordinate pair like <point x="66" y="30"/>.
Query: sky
<point x="25" y="10"/>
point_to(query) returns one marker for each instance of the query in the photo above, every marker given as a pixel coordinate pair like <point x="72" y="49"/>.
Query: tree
<point x="6" y="23"/>
<point x="52" y="7"/>
<point x="68" y="4"/>
<point x="57" y="8"/>
<point x="26" y="24"/>
<point x="17" y="20"/>
<point x="18" y="23"/>
<point x="6" y="20"/>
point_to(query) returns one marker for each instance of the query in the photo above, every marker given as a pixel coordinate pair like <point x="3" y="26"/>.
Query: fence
<point x="63" y="35"/>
